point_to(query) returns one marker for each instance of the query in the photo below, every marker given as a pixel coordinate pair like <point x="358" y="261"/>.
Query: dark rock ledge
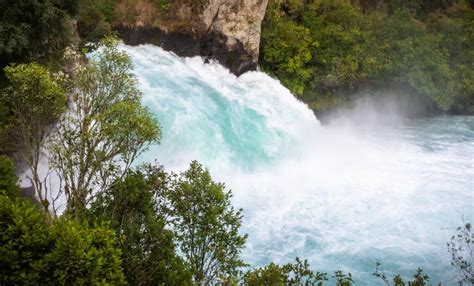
<point x="211" y="46"/>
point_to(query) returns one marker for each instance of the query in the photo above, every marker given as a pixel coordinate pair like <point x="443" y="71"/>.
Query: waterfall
<point x="343" y="197"/>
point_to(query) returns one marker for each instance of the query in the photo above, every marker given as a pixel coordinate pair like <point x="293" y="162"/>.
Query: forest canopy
<point x="326" y="52"/>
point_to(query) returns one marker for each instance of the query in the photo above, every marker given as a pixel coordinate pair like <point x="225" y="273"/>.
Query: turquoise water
<point x="343" y="196"/>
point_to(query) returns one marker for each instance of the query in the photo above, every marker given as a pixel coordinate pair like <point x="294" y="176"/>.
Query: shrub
<point x="35" y="251"/>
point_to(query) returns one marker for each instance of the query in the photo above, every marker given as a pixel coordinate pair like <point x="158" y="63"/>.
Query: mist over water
<point x="343" y="196"/>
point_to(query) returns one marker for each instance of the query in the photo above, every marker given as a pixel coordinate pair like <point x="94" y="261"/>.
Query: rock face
<point x="224" y="30"/>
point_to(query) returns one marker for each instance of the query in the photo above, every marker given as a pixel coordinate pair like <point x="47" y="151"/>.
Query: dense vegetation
<point x="327" y="52"/>
<point x="95" y="219"/>
<point x="35" y="30"/>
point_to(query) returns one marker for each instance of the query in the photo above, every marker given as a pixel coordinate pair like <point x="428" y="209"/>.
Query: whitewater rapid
<point x="343" y="196"/>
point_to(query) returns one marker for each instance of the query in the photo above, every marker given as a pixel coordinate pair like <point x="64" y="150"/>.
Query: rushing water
<point x="342" y="196"/>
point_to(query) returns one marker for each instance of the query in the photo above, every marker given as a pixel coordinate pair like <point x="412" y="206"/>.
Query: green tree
<point x="106" y="128"/>
<point x="66" y="252"/>
<point x="36" y="101"/>
<point x="131" y="207"/>
<point x="206" y="226"/>
<point x="33" y="29"/>
<point x="286" y="50"/>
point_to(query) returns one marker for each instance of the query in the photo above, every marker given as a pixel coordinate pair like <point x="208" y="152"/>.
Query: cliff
<point x="224" y="30"/>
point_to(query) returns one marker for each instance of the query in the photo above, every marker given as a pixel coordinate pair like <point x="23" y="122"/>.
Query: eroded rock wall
<point x="224" y="30"/>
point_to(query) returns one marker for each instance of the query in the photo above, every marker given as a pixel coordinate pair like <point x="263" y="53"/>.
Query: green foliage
<point x="94" y="19"/>
<point x="286" y="52"/>
<point x="345" y="46"/>
<point x="131" y="208"/>
<point x="338" y="58"/>
<point x="298" y="273"/>
<point x="33" y="29"/>
<point x="33" y="94"/>
<point x="24" y="239"/>
<point x="206" y="226"/>
<point x="272" y="274"/>
<point x="83" y="255"/>
<point x="409" y="54"/>
<point x="420" y="8"/>
<point x="8" y="179"/>
<point x="455" y="26"/>
<point x="337" y="51"/>
<point x="106" y="129"/>
<point x="66" y="252"/>
<point x="35" y="101"/>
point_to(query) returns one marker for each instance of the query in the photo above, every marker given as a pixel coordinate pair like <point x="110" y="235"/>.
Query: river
<point x="343" y="196"/>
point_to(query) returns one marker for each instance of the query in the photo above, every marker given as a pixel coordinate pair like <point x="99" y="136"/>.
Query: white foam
<point x="337" y="196"/>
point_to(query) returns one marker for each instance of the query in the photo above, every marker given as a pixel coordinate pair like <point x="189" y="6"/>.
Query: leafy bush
<point x="83" y="255"/>
<point x="34" y="251"/>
